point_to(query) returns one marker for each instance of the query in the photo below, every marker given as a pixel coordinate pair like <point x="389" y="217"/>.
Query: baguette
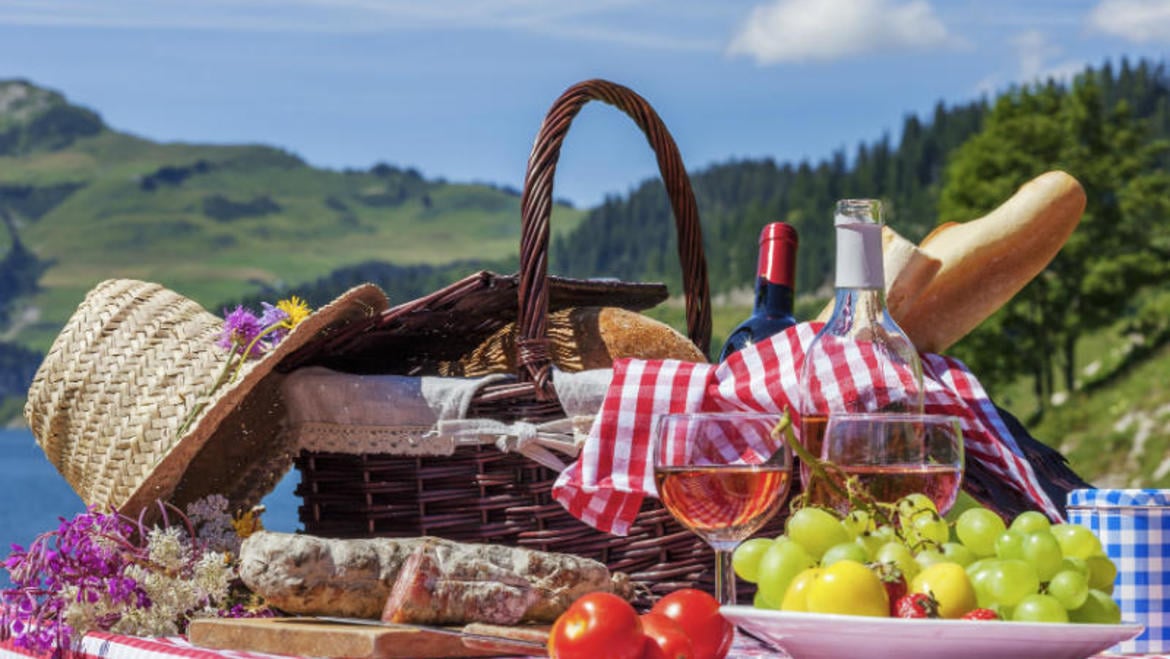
<point x="908" y="270"/>
<point x="988" y="260"/>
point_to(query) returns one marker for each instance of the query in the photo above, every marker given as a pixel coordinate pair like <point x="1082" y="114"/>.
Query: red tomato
<point x="597" y="625"/>
<point x="667" y="638"/>
<point x="698" y="614"/>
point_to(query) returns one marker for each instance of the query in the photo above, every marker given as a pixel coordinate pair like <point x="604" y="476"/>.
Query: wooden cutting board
<point x="311" y="638"/>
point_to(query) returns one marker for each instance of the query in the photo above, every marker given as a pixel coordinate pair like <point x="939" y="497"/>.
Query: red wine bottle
<point x="776" y="274"/>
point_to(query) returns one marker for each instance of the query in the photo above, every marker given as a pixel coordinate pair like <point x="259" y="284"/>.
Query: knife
<point x="475" y="635"/>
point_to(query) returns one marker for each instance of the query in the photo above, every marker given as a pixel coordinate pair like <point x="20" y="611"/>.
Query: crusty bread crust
<point x="988" y="260"/>
<point x="580" y="339"/>
<point x="908" y="270"/>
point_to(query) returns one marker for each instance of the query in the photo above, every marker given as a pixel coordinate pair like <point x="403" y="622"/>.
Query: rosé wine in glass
<point x="723" y="476"/>
<point x="893" y="455"/>
<point x="722" y="504"/>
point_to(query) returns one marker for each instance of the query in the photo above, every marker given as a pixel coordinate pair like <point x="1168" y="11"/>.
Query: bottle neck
<point x="861" y="296"/>
<point x="859" y="256"/>
<point x="773" y="299"/>
<point x="855" y="309"/>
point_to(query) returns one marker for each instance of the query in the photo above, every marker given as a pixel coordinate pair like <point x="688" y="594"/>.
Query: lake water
<point x="33" y="495"/>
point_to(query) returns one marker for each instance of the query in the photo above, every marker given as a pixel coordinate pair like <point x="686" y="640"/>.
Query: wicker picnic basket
<point x="481" y="493"/>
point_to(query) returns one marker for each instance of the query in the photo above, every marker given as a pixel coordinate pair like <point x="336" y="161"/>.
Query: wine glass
<point x="892" y="455"/>
<point x="723" y="476"/>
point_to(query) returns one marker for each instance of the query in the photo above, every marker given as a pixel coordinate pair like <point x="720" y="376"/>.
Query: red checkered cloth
<point x="605" y="487"/>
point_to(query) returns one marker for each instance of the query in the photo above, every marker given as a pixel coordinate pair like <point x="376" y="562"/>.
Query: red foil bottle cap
<point x="778" y="243"/>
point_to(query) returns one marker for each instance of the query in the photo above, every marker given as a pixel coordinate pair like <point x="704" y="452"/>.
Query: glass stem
<point x="724" y="578"/>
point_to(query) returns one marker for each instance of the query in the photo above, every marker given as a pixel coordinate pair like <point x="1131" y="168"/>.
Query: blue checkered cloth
<point x="1134" y="528"/>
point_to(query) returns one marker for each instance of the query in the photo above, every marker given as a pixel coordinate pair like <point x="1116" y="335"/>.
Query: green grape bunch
<point x="977" y="567"/>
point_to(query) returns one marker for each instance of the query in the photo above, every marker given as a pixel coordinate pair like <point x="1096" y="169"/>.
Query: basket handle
<point x="534" y="357"/>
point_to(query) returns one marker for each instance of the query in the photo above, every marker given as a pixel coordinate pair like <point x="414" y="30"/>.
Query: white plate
<point x="825" y="636"/>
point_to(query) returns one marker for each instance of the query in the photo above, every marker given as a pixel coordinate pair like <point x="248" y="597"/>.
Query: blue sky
<point x="457" y="88"/>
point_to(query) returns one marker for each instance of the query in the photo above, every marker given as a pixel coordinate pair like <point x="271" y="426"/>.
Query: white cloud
<point x="1036" y="54"/>
<point x="1138" y="21"/>
<point x="795" y="30"/>
<point x="1038" y="59"/>
<point x="1034" y="50"/>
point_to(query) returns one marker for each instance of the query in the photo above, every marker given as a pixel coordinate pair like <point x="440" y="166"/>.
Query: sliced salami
<point x="445" y="583"/>
<point x="418" y="580"/>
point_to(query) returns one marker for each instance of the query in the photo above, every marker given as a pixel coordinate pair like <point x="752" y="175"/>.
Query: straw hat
<point x="131" y="365"/>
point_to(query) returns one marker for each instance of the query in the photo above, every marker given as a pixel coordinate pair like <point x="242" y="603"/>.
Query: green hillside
<point x="1116" y="434"/>
<point x="213" y="222"/>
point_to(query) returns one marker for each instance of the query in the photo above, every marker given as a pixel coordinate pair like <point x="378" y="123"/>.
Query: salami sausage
<point x="446" y="583"/>
<point x="308" y="575"/>
<point x="421" y="580"/>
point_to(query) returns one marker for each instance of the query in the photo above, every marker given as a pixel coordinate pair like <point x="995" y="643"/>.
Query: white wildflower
<point x="77" y="615"/>
<point x="180" y="583"/>
<point x="168" y="548"/>
<point x="213" y="575"/>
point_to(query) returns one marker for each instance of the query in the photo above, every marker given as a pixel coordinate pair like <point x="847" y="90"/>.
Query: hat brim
<point x="115" y="388"/>
<point x="236" y="446"/>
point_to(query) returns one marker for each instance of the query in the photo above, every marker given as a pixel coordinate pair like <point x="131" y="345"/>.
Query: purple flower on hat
<point x="276" y="318"/>
<point x="240" y="329"/>
<point x="246" y="336"/>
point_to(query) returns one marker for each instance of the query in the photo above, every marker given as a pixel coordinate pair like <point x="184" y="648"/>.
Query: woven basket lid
<point x="110" y="397"/>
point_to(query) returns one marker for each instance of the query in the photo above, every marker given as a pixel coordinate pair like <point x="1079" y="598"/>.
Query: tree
<point x="1036" y="129"/>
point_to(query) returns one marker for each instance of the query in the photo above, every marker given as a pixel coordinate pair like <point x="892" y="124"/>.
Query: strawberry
<point x="894" y="582"/>
<point x="981" y="614"/>
<point x="916" y="605"/>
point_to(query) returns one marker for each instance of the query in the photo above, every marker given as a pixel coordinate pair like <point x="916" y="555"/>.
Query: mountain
<point x="632" y="236"/>
<point x="34" y="119"/>
<point x="82" y="201"/>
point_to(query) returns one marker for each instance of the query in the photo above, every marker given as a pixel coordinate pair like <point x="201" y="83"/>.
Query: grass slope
<point x="215" y="222"/>
<point x="1118" y="434"/>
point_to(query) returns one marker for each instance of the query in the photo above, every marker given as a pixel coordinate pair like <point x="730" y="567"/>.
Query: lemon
<point x="949" y="584"/>
<point x="796" y="597"/>
<point x="847" y="587"/>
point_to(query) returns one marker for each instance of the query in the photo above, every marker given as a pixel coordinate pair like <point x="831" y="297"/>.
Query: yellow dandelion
<point x="297" y="310"/>
<point x="248" y="523"/>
